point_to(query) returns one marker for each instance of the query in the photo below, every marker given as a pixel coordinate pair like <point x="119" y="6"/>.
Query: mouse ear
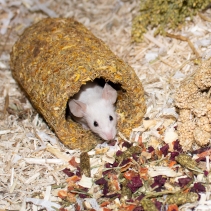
<point x="109" y="93"/>
<point x="77" y="108"/>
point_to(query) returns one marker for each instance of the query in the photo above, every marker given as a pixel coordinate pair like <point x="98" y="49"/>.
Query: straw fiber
<point x="51" y="61"/>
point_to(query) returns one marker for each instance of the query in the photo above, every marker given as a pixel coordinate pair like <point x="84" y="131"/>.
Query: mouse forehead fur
<point x="100" y="110"/>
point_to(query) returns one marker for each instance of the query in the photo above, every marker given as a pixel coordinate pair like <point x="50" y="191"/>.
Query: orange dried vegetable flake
<point x="77" y="207"/>
<point x="71" y="197"/>
<point x="172" y="207"/>
<point x="63" y="209"/>
<point x="112" y="176"/>
<point x="105" y="203"/>
<point x="73" y="162"/>
<point x="106" y="209"/>
<point x="172" y="163"/>
<point x="130" y="207"/>
<point x="126" y="167"/>
<point x="130" y="174"/>
<point x="143" y="171"/>
<point x="204" y="154"/>
<point x="114" y="185"/>
<point x="71" y="181"/>
<point x="140" y="141"/>
<point x="62" y="194"/>
<point x="74" y="178"/>
<point x="72" y="186"/>
<point x="186" y="190"/>
<point x="158" y="153"/>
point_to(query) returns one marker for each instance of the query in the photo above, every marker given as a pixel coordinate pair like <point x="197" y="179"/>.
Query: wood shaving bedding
<point x="30" y="166"/>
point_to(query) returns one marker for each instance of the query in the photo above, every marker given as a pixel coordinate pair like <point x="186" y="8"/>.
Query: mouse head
<point x="102" y="118"/>
<point x="100" y="115"/>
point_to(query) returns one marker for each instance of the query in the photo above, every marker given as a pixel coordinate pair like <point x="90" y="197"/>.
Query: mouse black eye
<point x="111" y="118"/>
<point x="95" y="124"/>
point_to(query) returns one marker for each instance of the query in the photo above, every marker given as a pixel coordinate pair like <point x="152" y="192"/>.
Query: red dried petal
<point x="73" y="162"/>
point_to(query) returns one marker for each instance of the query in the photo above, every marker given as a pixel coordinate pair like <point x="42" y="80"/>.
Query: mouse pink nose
<point x="110" y="136"/>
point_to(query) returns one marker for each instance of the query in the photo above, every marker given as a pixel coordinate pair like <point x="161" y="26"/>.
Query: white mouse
<point x="93" y="107"/>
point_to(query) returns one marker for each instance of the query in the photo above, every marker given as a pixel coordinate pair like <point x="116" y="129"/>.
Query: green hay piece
<point x="164" y="15"/>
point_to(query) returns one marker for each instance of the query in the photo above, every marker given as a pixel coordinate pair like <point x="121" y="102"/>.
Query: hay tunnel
<point x="51" y="61"/>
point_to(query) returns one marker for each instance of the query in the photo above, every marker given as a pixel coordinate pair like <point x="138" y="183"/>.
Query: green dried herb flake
<point x="182" y="198"/>
<point x="85" y="164"/>
<point x="126" y="193"/>
<point x="148" y="205"/>
<point x="187" y="162"/>
<point x="128" y="153"/>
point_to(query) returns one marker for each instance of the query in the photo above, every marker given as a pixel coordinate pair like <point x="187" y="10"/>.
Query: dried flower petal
<point x="184" y="181"/>
<point x="68" y="172"/>
<point x="158" y="204"/>
<point x="127" y="144"/>
<point x="135" y="183"/>
<point x="150" y="149"/>
<point x="164" y="149"/>
<point x="138" y="209"/>
<point x="173" y="155"/>
<point x="101" y="181"/>
<point x="119" y="153"/>
<point x="198" y="188"/>
<point x="177" y="146"/>
<point x="159" y="182"/>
